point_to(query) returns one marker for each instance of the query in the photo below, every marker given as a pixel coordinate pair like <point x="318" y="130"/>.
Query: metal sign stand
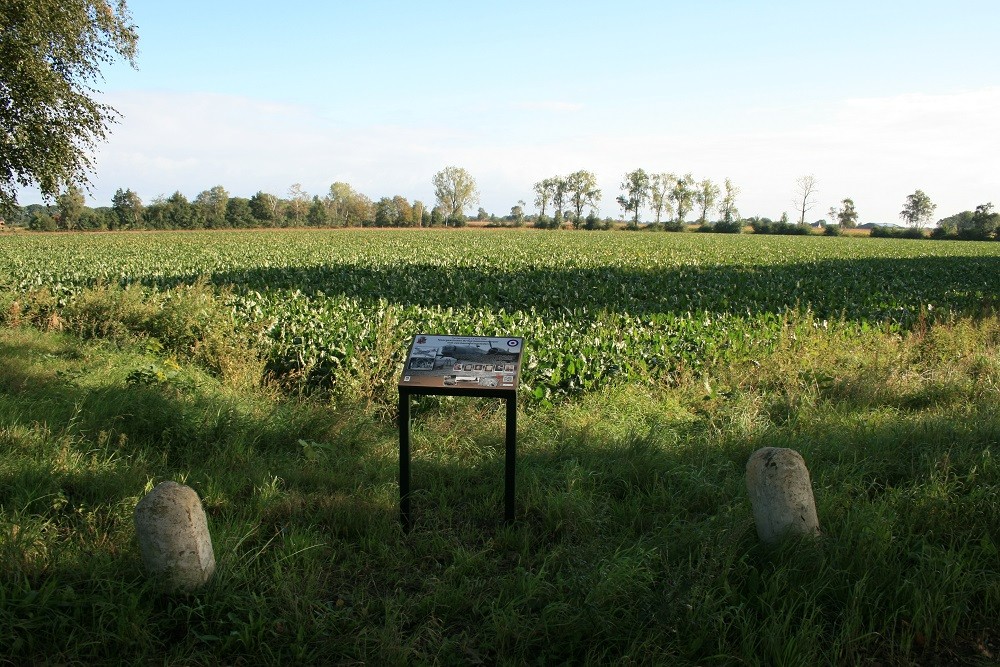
<point x="477" y="366"/>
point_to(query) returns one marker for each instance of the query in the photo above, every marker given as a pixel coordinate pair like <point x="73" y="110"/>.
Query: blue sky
<point x="873" y="99"/>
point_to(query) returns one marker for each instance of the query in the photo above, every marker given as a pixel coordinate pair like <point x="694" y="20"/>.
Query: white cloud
<point x="876" y="150"/>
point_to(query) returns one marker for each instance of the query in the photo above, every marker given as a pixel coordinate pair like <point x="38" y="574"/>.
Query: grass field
<point x="659" y="363"/>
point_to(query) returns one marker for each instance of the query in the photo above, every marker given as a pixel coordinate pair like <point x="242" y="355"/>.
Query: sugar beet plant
<point x="336" y="309"/>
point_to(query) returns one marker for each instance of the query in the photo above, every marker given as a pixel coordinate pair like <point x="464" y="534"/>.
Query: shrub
<point x="37" y="308"/>
<point x="730" y="227"/>
<point x="188" y="321"/>
<point x="768" y="226"/>
<point x="111" y="312"/>
<point x="898" y="232"/>
<point x="833" y="230"/>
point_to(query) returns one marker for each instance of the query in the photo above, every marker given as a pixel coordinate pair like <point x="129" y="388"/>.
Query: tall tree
<point x="517" y="213"/>
<point x="178" y="212"/>
<point x="404" y="212"/>
<point x="318" y="215"/>
<point x="558" y="198"/>
<point x="705" y="196"/>
<point x="581" y="186"/>
<point x="918" y="209"/>
<point x="341" y="202"/>
<point x="210" y="207"/>
<point x="238" y="213"/>
<point x="298" y="205"/>
<point x="544" y="191"/>
<point x="386" y="213"/>
<point x="635" y="192"/>
<point x="727" y="207"/>
<point x="127" y="209"/>
<point x="682" y="195"/>
<point x="805" y="196"/>
<point x="455" y="190"/>
<point x="660" y="186"/>
<point x="71" y="204"/>
<point x="984" y="223"/>
<point x="417" y="214"/>
<point x="51" y="54"/>
<point x="847" y="215"/>
<point x="264" y="207"/>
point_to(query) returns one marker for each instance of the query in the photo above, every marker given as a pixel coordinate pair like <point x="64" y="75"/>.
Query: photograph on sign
<point x="488" y="362"/>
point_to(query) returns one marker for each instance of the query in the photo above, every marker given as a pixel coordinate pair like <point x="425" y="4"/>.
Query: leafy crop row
<point x="338" y="306"/>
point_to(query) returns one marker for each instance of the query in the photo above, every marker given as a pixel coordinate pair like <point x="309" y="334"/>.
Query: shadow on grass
<point x="647" y="538"/>
<point x="128" y="434"/>
<point x="628" y="544"/>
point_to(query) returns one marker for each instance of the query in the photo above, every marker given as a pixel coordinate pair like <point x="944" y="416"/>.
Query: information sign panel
<point x="483" y="366"/>
<point x="472" y="363"/>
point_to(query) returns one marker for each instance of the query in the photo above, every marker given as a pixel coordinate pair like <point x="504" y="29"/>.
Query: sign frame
<point x="429" y="378"/>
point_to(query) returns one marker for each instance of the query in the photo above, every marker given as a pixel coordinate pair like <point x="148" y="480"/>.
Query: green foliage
<point x="238" y="213"/>
<point x="635" y="193"/>
<point x="634" y="541"/>
<point x="660" y="186"/>
<point x="41" y="221"/>
<point x="265" y="208"/>
<point x="455" y="190"/>
<point x="723" y="227"/>
<point x="886" y="232"/>
<point x="683" y="194"/>
<point x="705" y="196"/>
<point x="582" y="192"/>
<point x="188" y="321"/>
<point x="673" y="226"/>
<point x="598" y="311"/>
<point x="847" y="215"/>
<point x="918" y="209"/>
<point x="781" y="227"/>
<point x="51" y="54"/>
<point x="982" y="225"/>
<point x="128" y="210"/>
<point x="727" y="207"/>
<point x="209" y="208"/>
<point x="70" y="204"/>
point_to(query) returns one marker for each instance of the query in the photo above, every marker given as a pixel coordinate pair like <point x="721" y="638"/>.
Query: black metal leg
<point x="404" y="461"/>
<point x="511" y="437"/>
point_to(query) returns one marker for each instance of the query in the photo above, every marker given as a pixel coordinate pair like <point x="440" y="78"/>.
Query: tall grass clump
<point x="191" y="322"/>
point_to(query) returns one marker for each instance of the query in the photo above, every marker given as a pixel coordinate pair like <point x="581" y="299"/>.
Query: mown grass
<point x="634" y="540"/>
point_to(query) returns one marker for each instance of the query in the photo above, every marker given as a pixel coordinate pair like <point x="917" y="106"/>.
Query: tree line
<point x="53" y="54"/>
<point x="215" y="208"/>
<point x="561" y="201"/>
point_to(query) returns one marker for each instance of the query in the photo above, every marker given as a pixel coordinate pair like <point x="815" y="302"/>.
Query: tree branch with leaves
<point x="51" y="54"/>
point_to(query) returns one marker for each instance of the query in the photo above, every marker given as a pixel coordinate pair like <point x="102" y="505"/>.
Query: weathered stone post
<point x="173" y="537"/>
<point x="781" y="495"/>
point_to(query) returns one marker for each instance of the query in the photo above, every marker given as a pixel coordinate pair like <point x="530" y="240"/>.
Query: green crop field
<point x="594" y="308"/>
<point x="260" y="369"/>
